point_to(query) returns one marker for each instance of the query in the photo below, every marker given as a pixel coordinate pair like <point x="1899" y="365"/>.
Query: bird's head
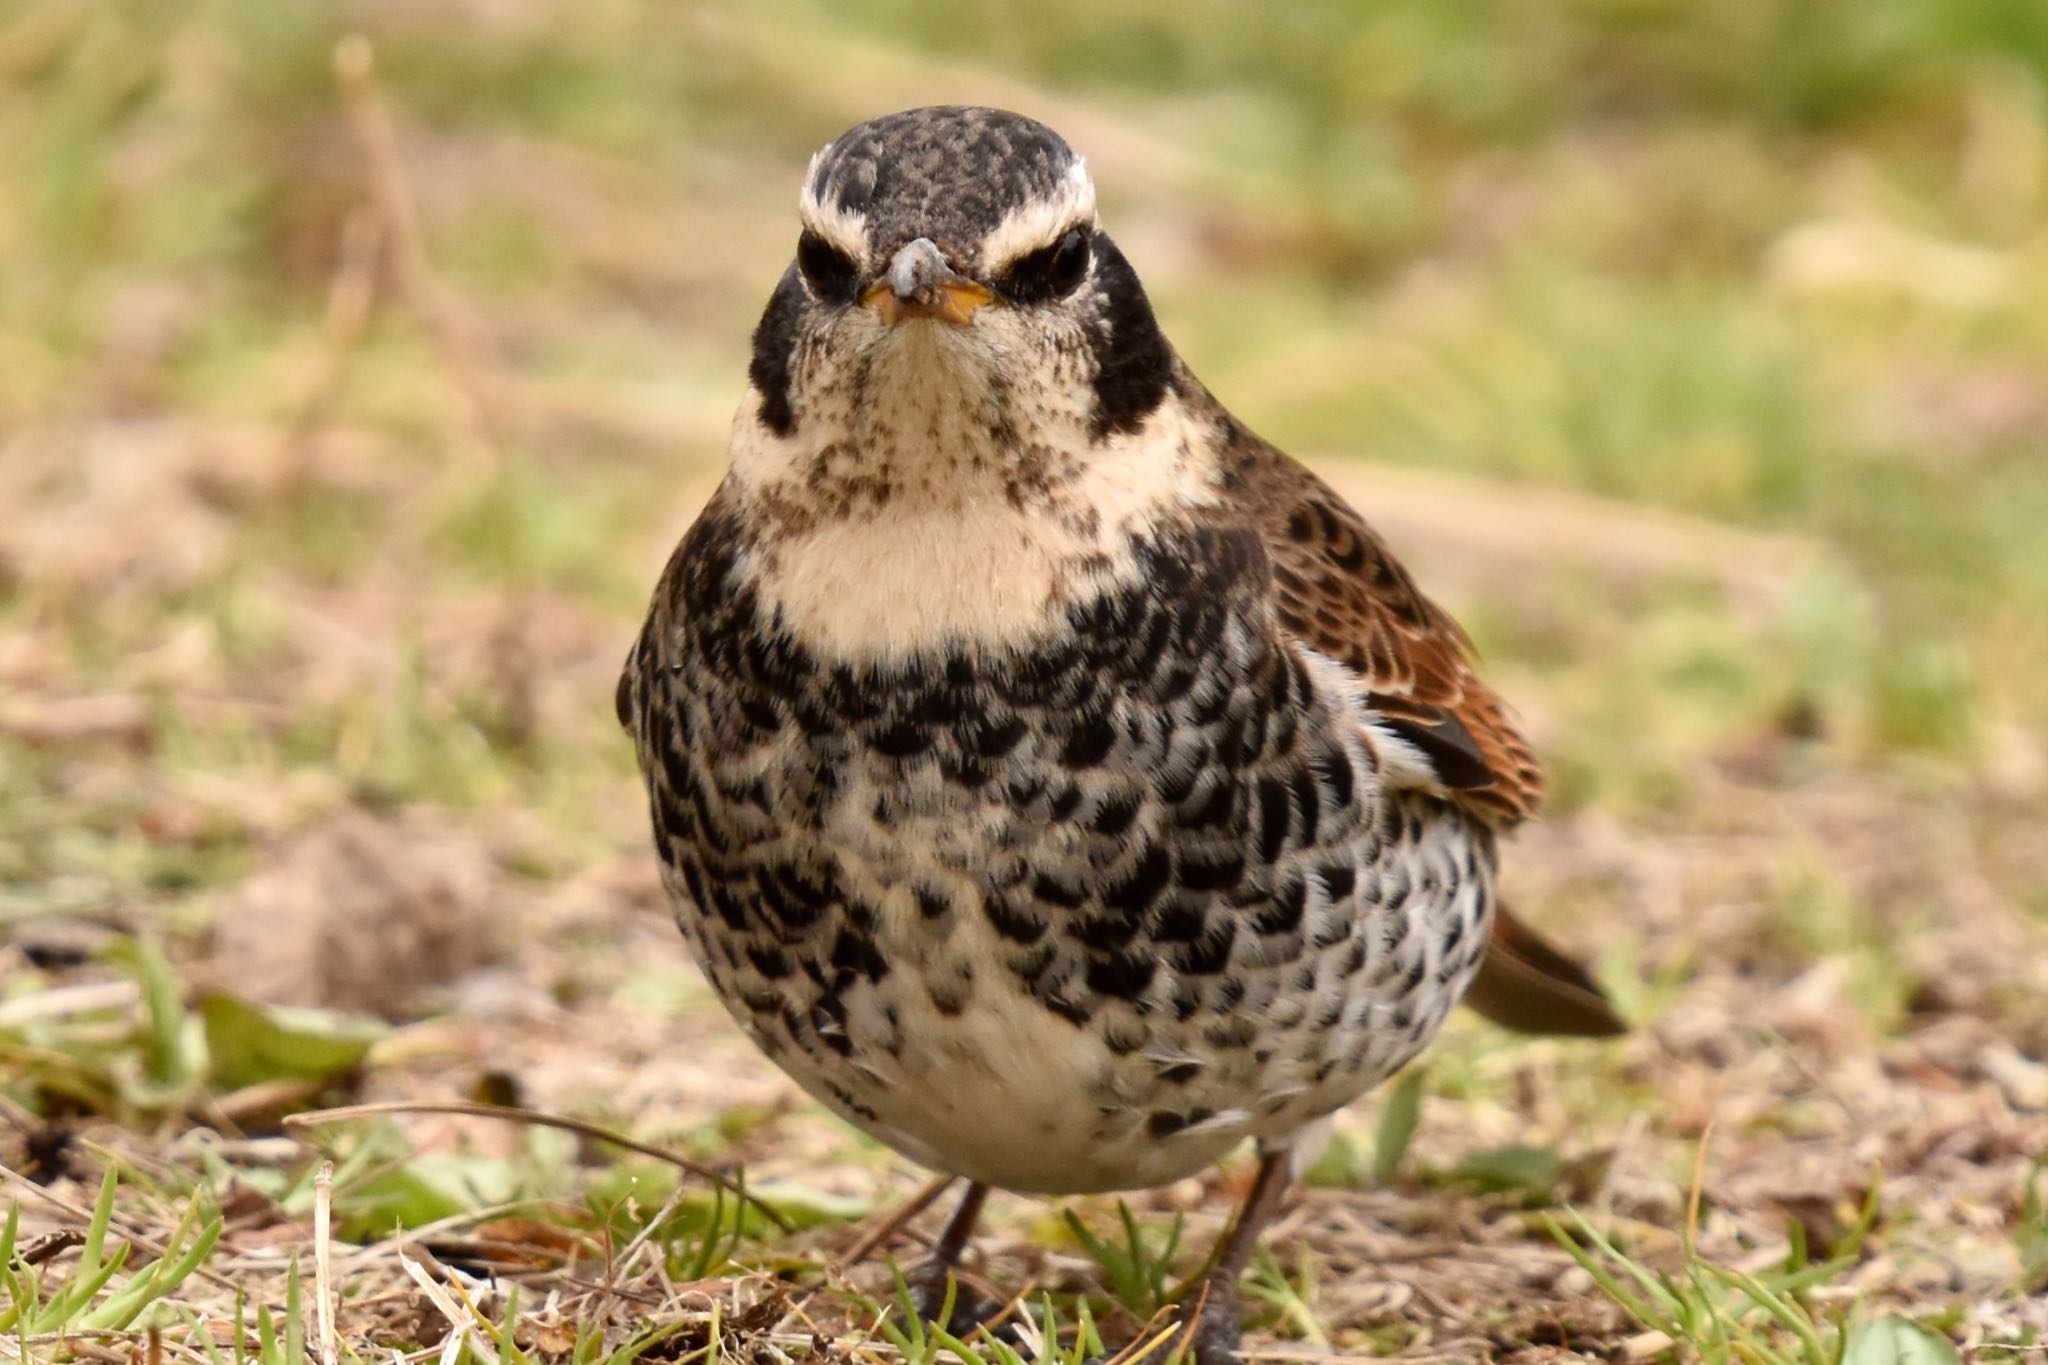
<point x="951" y="279"/>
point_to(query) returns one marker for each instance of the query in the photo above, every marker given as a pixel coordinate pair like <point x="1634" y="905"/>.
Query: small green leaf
<point x="1398" y="1119"/>
<point x="1340" y="1167"/>
<point x="1897" y="1341"/>
<point x="165" y="1050"/>
<point x="251" y="1042"/>
<point x="426" y="1188"/>
<point x="806" y="1206"/>
<point x="1512" y="1169"/>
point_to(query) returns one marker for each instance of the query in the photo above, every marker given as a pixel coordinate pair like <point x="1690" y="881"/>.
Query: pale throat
<point x="940" y="518"/>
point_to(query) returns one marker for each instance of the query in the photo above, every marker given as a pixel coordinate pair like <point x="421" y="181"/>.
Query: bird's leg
<point x="928" y="1280"/>
<point x="1209" y="1313"/>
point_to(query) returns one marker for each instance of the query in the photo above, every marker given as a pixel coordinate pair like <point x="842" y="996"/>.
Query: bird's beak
<point x="919" y="284"/>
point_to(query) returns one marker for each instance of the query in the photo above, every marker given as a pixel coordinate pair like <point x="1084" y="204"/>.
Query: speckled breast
<point x="1076" y="914"/>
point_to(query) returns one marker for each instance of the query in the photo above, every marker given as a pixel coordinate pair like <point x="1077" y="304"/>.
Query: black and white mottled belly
<point x="1076" y="914"/>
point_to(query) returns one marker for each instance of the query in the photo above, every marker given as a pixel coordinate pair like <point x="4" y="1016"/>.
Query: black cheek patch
<point x="774" y="347"/>
<point x="1133" y="363"/>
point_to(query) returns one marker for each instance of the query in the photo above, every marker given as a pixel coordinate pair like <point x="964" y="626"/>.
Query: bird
<point x="1062" y="784"/>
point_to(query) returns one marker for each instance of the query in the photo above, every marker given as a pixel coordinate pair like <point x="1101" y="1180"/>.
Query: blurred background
<point x="354" y="389"/>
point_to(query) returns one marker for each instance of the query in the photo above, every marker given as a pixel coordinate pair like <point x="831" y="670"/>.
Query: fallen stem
<point x="533" y="1118"/>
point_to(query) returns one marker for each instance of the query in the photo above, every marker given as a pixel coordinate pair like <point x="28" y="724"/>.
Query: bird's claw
<point x="929" y="1286"/>
<point x="1204" y="1332"/>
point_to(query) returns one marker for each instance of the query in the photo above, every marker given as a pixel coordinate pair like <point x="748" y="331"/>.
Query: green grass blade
<point x="1087" y="1340"/>
<point x="972" y="1355"/>
<point x="1399" y="1117"/>
<point x="152" y="1283"/>
<point x="503" y="1334"/>
<point x="23" y="1293"/>
<point x="195" y="1330"/>
<point x="1665" y="1314"/>
<point x="294" y="1318"/>
<point x="644" y="1341"/>
<point x="266" y="1338"/>
<point x="94" y="1246"/>
<point x="68" y="1304"/>
<point x="1785" y="1312"/>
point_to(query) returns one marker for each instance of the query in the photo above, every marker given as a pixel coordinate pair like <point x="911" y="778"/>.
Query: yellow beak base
<point x="952" y="302"/>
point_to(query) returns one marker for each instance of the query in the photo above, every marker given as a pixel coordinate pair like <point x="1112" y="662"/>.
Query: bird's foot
<point x="930" y="1285"/>
<point x="1202" y="1331"/>
<point x="1207" y="1330"/>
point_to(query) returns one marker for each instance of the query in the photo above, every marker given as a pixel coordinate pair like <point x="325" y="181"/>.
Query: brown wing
<point x="1341" y="591"/>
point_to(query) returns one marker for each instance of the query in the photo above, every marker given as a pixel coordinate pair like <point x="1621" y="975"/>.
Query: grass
<point x="1693" y="352"/>
<point x="1725" y="1314"/>
<point x="91" y="1300"/>
<point x="1770" y="1317"/>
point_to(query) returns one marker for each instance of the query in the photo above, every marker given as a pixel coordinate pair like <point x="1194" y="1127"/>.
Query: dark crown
<point x="948" y="172"/>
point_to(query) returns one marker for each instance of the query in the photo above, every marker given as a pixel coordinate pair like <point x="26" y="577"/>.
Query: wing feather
<point x="1339" y="589"/>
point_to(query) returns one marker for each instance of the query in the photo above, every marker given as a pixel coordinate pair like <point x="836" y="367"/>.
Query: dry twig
<point x="454" y="333"/>
<point x="531" y="1117"/>
<point x="891" y="1223"/>
<point x="323" y="1267"/>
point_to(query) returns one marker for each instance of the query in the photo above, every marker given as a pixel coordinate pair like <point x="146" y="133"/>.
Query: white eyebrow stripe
<point x="1031" y="226"/>
<point x="842" y="227"/>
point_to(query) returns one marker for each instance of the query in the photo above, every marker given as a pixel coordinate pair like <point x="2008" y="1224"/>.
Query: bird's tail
<point x="1526" y="985"/>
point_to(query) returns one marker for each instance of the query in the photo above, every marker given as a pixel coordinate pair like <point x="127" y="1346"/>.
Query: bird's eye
<point x="829" y="271"/>
<point x="1051" y="272"/>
